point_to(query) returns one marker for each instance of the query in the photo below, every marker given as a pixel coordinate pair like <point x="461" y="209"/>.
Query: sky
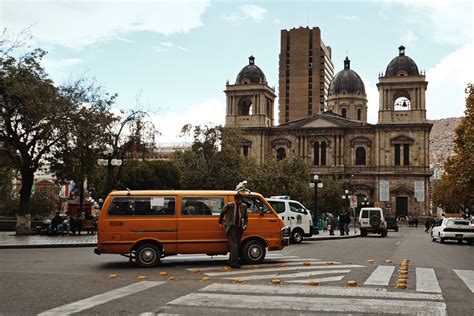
<point x="173" y="58"/>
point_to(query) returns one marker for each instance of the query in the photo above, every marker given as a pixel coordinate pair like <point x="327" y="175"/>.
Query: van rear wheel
<point x="297" y="236"/>
<point x="148" y="255"/>
<point x="253" y="252"/>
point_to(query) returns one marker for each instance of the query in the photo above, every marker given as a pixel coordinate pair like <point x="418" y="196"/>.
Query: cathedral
<point x="387" y="162"/>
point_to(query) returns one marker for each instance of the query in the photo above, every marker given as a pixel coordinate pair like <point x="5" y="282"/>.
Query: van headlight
<point x="285" y="232"/>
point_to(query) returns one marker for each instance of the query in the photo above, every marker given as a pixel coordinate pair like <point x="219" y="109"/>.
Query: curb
<point x="24" y="246"/>
<point x="331" y="238"/>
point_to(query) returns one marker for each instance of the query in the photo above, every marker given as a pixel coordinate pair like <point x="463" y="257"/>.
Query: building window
<point x="316" y="154"/>
<point x="397" y="154"/>
<point x="360" y="156"/>
<point x="344" y="113"/>
<point x="406" y="154"/>
<point x="281" y="153"/>
<point x="359" y="114"/>
<point x="246" y="150"/>
<point x="323" y="153"/>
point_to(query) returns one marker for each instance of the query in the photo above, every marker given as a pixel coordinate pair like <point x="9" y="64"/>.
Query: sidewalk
<point x="326" y="236"/>
<point x="10" y="240"/>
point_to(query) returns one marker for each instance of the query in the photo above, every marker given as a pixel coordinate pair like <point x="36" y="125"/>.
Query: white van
<point x="372" y="220"/>
<point x="294" y="215"/>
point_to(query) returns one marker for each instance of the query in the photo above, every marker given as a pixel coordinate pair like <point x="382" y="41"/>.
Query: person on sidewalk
<point x="347" y="222"/>
<point x="331" y="223"/>
<point x="55" y="228"/>
<point x="234" y="220"/>
<point x="342" y="223"/>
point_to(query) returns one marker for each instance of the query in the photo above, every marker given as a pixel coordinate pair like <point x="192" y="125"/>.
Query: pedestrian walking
<point x="234" y="220"/>
<point x="330" y="223"/>
<point x="342" y="223"/>
<point x="427" y="225"/>
<point x="347" y="222"/>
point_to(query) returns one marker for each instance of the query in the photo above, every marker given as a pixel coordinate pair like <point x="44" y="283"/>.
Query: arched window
<point x="323" y="153"/>
<point x="244" y="107"/>
<point x="344" y="112"/>
<point x="316" y="154"/>
<point x="281" y="153"/>
<point x="402" y="104"/>
<point x="360" y="156"/>
<point x="359" y="114"/>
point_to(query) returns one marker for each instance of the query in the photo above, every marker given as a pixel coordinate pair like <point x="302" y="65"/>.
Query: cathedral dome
<point x="346" y="80"/>
<point x="250" y="74"/>
<point x="401" y="65"/>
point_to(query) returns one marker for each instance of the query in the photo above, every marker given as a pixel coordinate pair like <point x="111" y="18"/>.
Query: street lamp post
<point x="109" y="161"/>
<point x="317" y="183"/>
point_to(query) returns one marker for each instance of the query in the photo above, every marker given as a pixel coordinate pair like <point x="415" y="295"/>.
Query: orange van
<point x="148" y="225"/>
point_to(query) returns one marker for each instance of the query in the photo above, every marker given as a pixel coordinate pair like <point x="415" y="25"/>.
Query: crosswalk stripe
<point x="290" y="275"/>
<point x="313" y="291"/>
<point x="261" y="266"/>
<point x="426" y="280"/>
<point x="284" y="269"/>
<point x="327" y="279"/>
<point x="467" y="276"/>
<point x="314" y="304"/>
<point x="100" y="298"/>
<point x="380" y="276"/>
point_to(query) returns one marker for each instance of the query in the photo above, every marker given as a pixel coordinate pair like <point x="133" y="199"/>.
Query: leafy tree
<point x="148" y="175"/>
<point x="35" y="117"/>
<point x="330" y="196"/>
<point x="455" y="190"/>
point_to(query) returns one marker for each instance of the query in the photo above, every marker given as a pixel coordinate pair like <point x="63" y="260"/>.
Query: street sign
<point x="353" y="200"/>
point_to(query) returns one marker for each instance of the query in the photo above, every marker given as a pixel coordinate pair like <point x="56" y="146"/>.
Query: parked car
<point x="294" y="215"/>
<point x="392" y="223"/>
<point x="372" y="220"/>
<point x="459" y="229"/>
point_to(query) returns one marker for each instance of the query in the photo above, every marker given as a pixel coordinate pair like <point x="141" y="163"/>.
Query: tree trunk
<point x="23" y="217"/>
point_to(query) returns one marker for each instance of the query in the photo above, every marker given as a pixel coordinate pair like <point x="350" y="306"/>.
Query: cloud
<point x="446" y="83"/>
<point x="169" y="124"/>
<point x="409" y="39"/>
<point x="167" y="44"/>
<point x="78" y="23"/>
<point x="347" y="17"/>
<point x="447" y="22"/>
<point x="246" y="12"/>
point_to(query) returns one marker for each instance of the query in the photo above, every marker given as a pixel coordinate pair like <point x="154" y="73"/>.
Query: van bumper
<point x="285" y="242"/>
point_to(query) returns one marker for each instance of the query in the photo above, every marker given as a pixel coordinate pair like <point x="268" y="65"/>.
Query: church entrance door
<point x="402" y="206"/>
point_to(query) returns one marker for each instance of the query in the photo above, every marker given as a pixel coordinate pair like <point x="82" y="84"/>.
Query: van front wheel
<point x="297" y="236"/>
<point x="253" y="252"/>
<point x="148" y="255"/>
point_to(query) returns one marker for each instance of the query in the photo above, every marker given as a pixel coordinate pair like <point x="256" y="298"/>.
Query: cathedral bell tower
<point x="250" y="100"/>
<point x="402" y="92"/>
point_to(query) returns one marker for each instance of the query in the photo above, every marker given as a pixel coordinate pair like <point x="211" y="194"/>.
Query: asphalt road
<point x="74" y="280"/>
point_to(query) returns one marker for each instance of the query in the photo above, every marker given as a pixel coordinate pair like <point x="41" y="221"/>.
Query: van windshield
<point x="254" y="204"/>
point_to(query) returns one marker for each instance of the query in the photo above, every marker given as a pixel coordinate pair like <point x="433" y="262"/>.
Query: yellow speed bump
<point x="205" y="279"/>
<point x="238" y="281"/>
<point x="196" y="271"/>
<point x="352" y="283"/>
<point x="276" y="281"/>
<point x="405" y="260"/>
<point x="255" y="266"/>
<point x="402" y="281"/>
<point x="404" y="271"/>
<point x="388" y="261"/>
<point x="142" y="278"/>
<point x="114" y="276"/>
<point x="371" y="261"/>
<point x="401" y="286"/>
<point x="313" y="283"/>
<point x="329" y="263"/>
<point x="172" y="278"/>
<point x="306" y="263"/>
<point x="163" y="273"/>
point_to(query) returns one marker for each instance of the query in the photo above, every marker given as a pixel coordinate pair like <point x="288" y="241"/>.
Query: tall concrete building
<point x="305" y="72"/>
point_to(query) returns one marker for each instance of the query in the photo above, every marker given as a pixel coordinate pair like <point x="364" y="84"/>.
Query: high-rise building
<point x="306" y="70"/>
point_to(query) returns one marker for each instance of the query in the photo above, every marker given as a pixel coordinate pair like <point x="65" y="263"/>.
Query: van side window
<point x="279" y="207"/>
<point x="297" y="208"/>
<point x="254" y="204"/>
<point x="365" y="214"/>
<point x="142" y="206"/>
<point x="202" y="206"/>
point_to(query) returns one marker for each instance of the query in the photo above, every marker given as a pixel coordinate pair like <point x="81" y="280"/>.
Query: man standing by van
<point x="234" y="224"/>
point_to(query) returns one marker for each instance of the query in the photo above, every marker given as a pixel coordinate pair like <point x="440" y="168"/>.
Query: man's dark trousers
<point x="233" y="236"/>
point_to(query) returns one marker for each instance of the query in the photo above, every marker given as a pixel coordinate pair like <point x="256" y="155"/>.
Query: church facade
<point x="387" y="162"/>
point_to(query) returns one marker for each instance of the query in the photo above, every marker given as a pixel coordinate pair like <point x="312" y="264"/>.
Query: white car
<point x="453" y="228"/>
<point x="372" y="220"/>
<point x="294" y="215"/>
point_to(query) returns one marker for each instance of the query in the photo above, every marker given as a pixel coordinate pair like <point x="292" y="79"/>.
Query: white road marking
<point x="467" y="276"/>
<point x="327" y="279"/>
<point x="260" y="266"/>
<point x="100" y="298"/>
<point x="380" y="276"/>
<point x="290" y="275"/>
<point x="284" y="269"/>
<point x="397" y="243"/>
<point x="313" y="304"/>
<point x="426" y="280"/>
<point x="312" y="291"/>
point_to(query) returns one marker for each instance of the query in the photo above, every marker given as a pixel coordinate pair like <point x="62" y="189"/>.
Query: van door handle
<point x="272" y="220"/>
